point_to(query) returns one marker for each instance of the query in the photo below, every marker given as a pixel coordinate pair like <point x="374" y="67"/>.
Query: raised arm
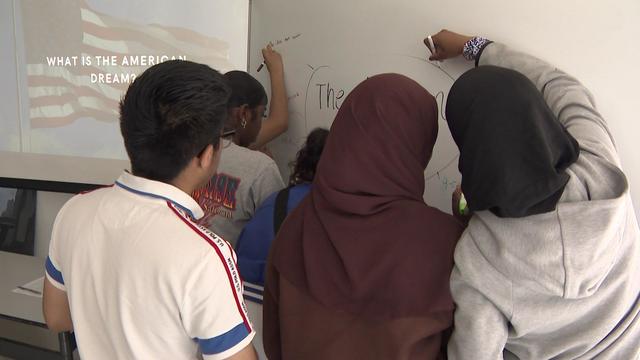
<point x="278" y="120"/>
<point x="569" y="100"/>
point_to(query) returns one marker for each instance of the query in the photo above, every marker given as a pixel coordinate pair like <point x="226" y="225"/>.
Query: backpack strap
<point x="280" y="209"/>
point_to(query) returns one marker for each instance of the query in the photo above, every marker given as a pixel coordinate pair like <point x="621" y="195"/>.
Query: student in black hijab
<point x="513" y="150"/>
<point x="548" y="266"/>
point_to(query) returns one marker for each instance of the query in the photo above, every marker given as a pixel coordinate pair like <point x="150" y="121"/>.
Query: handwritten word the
<point x="328" y="97"/>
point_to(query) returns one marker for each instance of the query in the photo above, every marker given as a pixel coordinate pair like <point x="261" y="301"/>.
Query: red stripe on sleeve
<point x="213" y="245"/>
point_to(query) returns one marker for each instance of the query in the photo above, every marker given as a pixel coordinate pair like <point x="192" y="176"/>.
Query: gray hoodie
<point x="564" y="284"/>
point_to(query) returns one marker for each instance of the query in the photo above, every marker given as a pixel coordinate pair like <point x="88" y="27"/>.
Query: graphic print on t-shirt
<point x="218" y="197"/>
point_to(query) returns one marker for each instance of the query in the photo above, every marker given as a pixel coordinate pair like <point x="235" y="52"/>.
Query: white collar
<point x="161" y="190"/>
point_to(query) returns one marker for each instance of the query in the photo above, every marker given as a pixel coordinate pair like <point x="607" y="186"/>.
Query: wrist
<point x="276" y="72"/>
<point x="472" y="48"/>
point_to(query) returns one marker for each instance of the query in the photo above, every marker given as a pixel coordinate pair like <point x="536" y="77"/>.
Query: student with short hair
<point x="256" y="237"/>
<point x="129" y="270"/>
<point x="246" y="177"/>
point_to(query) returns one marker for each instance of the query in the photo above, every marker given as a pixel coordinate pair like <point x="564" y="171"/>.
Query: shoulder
<point x="90" y="195"/>
<point x="300" y="189"/>
<point x="447" y="222"/>
<point x="263" y="217"/>
<point x="190" y="235"/>
<point x="593" y="177"/>
<point x="81" y="202"/>
<point x="252" y="156"/>
<point x="245" y="163"/>
<point x="269" y="202"/>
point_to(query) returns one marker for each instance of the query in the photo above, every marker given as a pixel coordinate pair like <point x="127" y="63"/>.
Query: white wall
<point x="9" y="107"/>
<point x="593" y="40"/>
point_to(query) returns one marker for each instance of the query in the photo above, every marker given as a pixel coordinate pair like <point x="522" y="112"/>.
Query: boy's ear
<point x="206" y="157"/>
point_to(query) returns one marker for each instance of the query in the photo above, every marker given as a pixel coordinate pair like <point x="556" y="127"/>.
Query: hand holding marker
<point x="430" y="45"/>
<point x="432" y="49"/>
<point x="271" y="58"/>
<point x="445" y="45"/>
<point x="263" y="60"/>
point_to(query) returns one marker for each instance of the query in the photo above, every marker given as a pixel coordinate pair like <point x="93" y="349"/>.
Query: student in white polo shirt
<point x="129" y="270"/>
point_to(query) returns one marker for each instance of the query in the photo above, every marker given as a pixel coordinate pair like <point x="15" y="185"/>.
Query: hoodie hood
<point x="567" y="252"/>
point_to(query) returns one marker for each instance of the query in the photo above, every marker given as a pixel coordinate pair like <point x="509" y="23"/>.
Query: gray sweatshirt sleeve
<point x="480" y="330"/>
<point x="569" y="100"/>
<point x="484" y="307"/>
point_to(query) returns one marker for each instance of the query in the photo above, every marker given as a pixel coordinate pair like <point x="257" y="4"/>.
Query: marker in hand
<point x="463" y="207"/>
<point x="432" y="48"/>
<point x="264" y="62"/>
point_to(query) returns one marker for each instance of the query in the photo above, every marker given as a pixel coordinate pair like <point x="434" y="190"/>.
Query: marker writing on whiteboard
<point x="432" y="49"/>
<point x="278" y="42"/>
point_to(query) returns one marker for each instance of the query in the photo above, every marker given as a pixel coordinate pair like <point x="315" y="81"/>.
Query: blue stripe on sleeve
<point x="53" y="272"/>
<point x="253" y="290"/>
<point x="224" y="342"/>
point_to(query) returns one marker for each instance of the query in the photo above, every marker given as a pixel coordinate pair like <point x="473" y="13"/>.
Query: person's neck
<point x="236" y="140"/>
<point x="185" y="183"/>
<point x="230" y="139"/>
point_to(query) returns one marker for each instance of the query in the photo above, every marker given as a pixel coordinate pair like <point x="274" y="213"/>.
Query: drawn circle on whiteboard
<point x="325" y="83"/>
<point x="437" y="80"/>
<point x="327" y="86"/>
<point x="317" y="112"/>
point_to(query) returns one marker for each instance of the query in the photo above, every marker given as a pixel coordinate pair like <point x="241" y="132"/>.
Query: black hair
<point x="169" y="114"/>
<point x="304" y="166"/>
<point x="245" y="89"/>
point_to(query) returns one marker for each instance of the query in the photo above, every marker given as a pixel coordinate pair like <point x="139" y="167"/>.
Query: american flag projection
<point x="79" y="57"/>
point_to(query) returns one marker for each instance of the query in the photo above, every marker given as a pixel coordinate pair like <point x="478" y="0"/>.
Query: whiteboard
<point x="330" y="46"/>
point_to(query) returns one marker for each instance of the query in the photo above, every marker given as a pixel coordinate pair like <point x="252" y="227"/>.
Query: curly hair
<point x="304" y="166"/>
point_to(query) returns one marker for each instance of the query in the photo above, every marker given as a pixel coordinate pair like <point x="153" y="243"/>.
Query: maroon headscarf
<point x="364" y="241"/>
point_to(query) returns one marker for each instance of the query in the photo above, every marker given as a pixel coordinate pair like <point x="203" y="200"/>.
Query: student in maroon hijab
<point x="360" y="270"/>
